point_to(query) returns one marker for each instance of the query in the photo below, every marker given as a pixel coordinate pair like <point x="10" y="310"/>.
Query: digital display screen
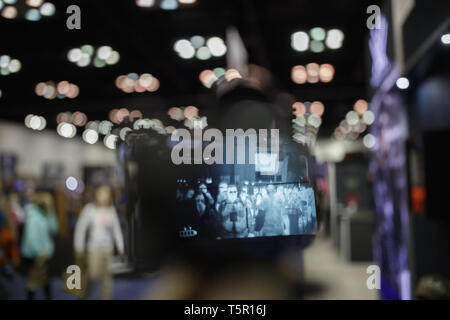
<point x="223" y="210"/>
<point x="270" y="196"/>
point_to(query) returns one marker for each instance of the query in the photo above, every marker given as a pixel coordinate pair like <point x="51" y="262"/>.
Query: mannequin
<point x="100" y="221"/>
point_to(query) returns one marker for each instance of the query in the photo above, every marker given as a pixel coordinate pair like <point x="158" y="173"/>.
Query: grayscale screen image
<point x="225" y="210"/>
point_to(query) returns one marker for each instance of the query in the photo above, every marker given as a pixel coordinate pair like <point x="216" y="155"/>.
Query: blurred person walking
<point x="9" y="256"/>
<point x="37" y="247"/>
<point x="100" y="221"/>
<point x="16" y="214"/>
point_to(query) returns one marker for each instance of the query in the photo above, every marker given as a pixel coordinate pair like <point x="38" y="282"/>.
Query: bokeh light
<point x="402" y="83"/>
<point x="195" y="47"/>
<point x="299" y="75"/>
<point x="300" y="41"/>
<point x="33" y="15"/>
<point x="216" y="46"/>
<point x="90" y="136"/>
<point x="71" y="183"/>
<point x="352" y="118"/>
<point x="145" y="3"/>
<point x="190" y="112"/>
<point x="48" y="9"/>
<point x="105" y="126"/>
<point x="9" y="65"/>
<point x="317" y="108"/>
<point x="85" y="56"/>
<point x="369" y="141"/>
<point x="34" y="3"/>
<point x="317" y="40"/>
<point x="176" y="113"/>
<point x="207" y="78"/>
<point x="79" y="119"/>
<point x="66" y="130"/>
<point x="197" y="41"/>
<point x="317" y="33"/>
<point x="133" y="82"/>
<point x="361" y="106"/>
<point x="368" y="117"/>
<point x="312" y="71"/>
<point x="317" y="46"/>
<point x="123" y="133"/>
<point x="203" y="53"/>
<point x="445" y="39"/>
<point x="298" y="109"/>
<point x="9" y="12"/>
<point x="63" y="89"/>
<point x="169" y="4"/>
<point x="326" y="72"/>
<point x="232" y="74"/>
<point x="110" y="141"/>
<point x="334" y="39"/>
<point x="35" y="122"/>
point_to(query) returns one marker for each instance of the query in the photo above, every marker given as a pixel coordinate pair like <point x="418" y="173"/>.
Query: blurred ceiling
<point x="144" y="37"/>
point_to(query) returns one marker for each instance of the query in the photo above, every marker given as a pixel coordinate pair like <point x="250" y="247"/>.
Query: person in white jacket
<point x="99" y="220"/>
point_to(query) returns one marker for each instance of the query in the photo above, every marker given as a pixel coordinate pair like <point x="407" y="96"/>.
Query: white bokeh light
<point x="352" y="118"/>
<point x="369" y="141"/>
<point x="71" y="183"/>
<point x="110" y="141"/>
<point x="48" y="9"/>
<point x="184" y="49"/>
<point x="90" y="136"/>
<point x="216" y="46"/>
<point x="402" y="83"/>
<point x="104" y="52"/>
<point x="368" y="117"/>
<point x="334" y="39"/>
<point x="66" y="130"/>
<point x="300" y="41"/>
<point x="35" y="122"/>
<point x="445" y="39"/>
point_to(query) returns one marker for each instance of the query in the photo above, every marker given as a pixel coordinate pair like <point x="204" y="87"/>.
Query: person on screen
<point x="279" y="195"/>
<point x="204" y="190"/>
<point x="187" y="208"/>
<point x="292" y="207"/>
<point x="275" y="223"/>
<point x="222" y="194"/>
<point x="308" y="208"/>
<point x="233" y="215"/>
<point x="254" y="195"/>
<point x="199" y="213"/>
<point x="249" y="210"/>
<point x="261" y="203"/>
<point x="200" y="204"/>
<point x="179" y="194"/>
<point x="189" y="194"/>
<point x="303" y="217"/>
<point x="245" y="198"/>
<point x="206" y="218"/>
